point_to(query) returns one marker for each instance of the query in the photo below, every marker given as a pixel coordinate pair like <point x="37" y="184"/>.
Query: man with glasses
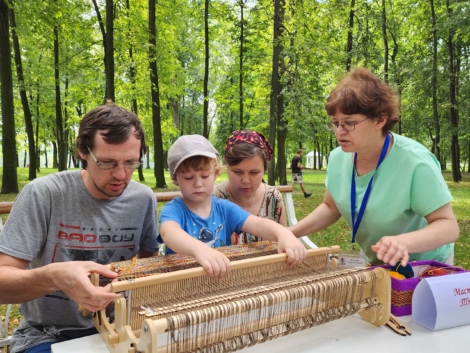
<point x="67" y="225"/>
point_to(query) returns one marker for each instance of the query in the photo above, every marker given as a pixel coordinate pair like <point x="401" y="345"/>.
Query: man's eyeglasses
<point x="347" y="125"/>
<point x="112" y="165"/>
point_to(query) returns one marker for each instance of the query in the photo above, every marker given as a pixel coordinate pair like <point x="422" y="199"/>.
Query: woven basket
<point x="402" y="290"/>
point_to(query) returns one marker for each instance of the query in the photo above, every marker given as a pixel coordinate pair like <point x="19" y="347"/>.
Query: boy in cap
<point x="198" y="217"/>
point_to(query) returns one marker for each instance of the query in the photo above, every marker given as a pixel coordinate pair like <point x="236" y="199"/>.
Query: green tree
<point x="155" y="88"/>
<point x="9" y="177"/>
<point x="24" y="99"/>
<point x="276" y="110"/>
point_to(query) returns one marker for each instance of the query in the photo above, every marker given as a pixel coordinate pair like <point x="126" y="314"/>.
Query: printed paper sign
<point x="442" y="302"/>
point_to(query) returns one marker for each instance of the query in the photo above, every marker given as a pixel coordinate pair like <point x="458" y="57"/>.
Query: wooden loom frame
<point x="121" y="338"/>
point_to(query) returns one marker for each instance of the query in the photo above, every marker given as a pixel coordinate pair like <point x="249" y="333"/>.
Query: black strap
<point x="66" y="335"/>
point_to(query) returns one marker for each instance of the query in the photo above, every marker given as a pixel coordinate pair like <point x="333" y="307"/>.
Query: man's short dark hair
<point x="115" y="125"/>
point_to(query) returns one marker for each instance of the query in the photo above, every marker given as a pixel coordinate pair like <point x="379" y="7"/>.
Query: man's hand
<point x="73" y="279"/>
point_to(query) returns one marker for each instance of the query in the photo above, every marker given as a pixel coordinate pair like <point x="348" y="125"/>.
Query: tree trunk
<point x="317" y="155"/>
<point x="155" y="90"/>
<point x="132" y="74"/>
<point x="103" y="35"/>
<point x="176" y="111"/>
<point x="454" y="148"/>
<point x="206" y="70"/>
<point x="9" y="175"/>
<point x="457" y="67"/>
<point x="24" y="100"/>
<point x="385" y="40"/>
<point x="72" y="149"/>
<point x="349" y="44"/>
<point x="61" y="161"/>
<point x="437" y="127"/>
<point x="468" y="157"/>
<point x="38" y="151"/>
<point x="54" y="154"/>
<point x="281" y="129"/>
<point x="46" y="158"/>
<point x="397" y="75"/>
<point x="109" y="56"/>
<point x="65" y="113"/>
<point x="323" y="153"/>
<point x="148" y="158"/>
<point x="240" y="64"/>
<point x="275" y="82"/>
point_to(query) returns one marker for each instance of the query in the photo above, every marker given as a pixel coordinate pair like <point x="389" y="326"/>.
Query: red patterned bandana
<point x="252" y="138"/>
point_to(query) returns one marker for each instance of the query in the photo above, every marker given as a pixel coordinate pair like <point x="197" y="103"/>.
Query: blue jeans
<point x="40" y="348"/>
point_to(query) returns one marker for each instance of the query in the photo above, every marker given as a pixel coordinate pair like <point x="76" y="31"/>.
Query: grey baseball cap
<point x="189" y="146"/>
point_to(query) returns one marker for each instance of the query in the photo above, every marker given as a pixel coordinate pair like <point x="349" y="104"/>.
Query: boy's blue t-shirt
<point x="226" y="217"/>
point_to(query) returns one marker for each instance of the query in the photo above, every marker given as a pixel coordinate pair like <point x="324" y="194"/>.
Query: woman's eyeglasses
<point x="347" y="125"/>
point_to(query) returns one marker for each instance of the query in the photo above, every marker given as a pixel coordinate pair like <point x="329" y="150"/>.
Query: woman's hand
<point x="392" y="249"/>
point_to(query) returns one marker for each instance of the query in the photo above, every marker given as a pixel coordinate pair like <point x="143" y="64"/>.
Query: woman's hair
<point x="241" y="151"/>
<point x="244" y="144"/>
<point x="198" y="163"/>
<point x="114" y="124"/>
<point x="361" y="92"/>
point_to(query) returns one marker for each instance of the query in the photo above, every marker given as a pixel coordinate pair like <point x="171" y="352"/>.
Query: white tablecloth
<point x="351" y="334"/>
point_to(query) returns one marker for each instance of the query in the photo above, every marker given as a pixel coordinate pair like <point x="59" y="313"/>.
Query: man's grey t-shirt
<point x="55" y="219"/>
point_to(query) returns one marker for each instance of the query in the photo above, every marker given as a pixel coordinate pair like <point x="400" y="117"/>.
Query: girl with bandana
<point x="247" y="154"/>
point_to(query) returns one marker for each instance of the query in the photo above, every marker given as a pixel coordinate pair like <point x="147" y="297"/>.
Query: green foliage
<point x="314" y="53"/>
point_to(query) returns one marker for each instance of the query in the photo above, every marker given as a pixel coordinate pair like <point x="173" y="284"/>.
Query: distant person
<point x="197" y="222"/>
<point x="247" y="154"/>
<point x="296" y="167"/>
<point x="65" y="226"/>
<point x="388" y="187"/>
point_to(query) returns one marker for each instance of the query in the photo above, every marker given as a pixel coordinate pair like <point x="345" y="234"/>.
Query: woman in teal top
<point x="394" y="184"/>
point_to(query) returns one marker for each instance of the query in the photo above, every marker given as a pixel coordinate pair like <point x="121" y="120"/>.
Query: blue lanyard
<point x="357" y="222"/>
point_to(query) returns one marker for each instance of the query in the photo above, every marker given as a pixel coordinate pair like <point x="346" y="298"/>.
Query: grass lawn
<point x="337" y="234"/>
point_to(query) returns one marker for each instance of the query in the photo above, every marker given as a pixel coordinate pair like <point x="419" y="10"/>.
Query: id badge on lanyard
<point x="352" y="258"/>
<point x="357" y="258"/>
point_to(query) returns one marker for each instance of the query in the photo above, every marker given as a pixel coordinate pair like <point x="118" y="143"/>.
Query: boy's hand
<point x="286" y="241"/>
<point x="295" y="250"/>
<point x="216" y="264"/>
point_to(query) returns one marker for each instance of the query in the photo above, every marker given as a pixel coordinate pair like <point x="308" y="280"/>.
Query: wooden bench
<point x="286" y="191"/>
